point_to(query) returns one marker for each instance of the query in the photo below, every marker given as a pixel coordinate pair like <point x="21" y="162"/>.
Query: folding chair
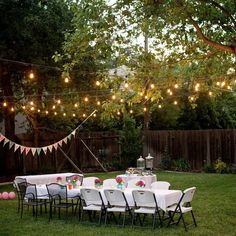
<point x="58" y="198"/>
<point x="92" y="202"/>
<point x="160" y="185"/>
<point x="145" y="203"/>
<point x="182" y="207"/>
<point x="117" y="203"/>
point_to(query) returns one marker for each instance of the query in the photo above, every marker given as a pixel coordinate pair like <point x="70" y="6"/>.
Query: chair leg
<point x="106" y="218"/>
<point x="185" y="226"/>
<point x="194" y="220"/>
<point x="133" y="218"/>
<point x="124" y="219"/>
<point x="153" y="220"/>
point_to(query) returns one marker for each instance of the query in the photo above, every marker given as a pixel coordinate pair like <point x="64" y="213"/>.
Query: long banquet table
<point x="45" y="179"/>
<point x="164" y="198"/>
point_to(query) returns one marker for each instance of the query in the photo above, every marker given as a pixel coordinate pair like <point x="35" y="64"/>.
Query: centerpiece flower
<point x="140" y="183"/>
<point x="119" y="181"/>
<point x="59" y="179"/>
<point x="98" y="182"/>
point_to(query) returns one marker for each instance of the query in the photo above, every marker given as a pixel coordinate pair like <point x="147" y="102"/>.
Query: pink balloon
<point x="5" y="195"/>
<point x="12" y="195"/>
<point x="0" y="196"/>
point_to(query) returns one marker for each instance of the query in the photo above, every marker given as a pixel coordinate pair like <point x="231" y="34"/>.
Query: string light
<point x="171" y="93"/>
<point x="64" y="114"/>
<point x="86" y="99"/>
<point x="222" y="84"/>
<point x="121" y="100"/>
<point x="12" y="109"/>
<point x="31" y="75"/>
<point x="118" y="113"/>
<point x="94" y="114"/>
<point x="31" y="103"/>
<point x="53" y="107"/>
<point x="66" y="80"/>
<point x="55" y="113"/>
<point x="126" y="85"/>
<point x="159" y="106"/>
<point x="176" y="86"/>
<point x="4" y="104"/>
<point x="23" y="107"/>
<point x="145" y="109"/>
<point x="98" y="103"/>
<point x="218" y="83"/>
<point x="97" y="83"/>
<point x="152" y="86"/>
<point x="131" y="111"/>
<point x="75" y="105"/>
<point x="39" y="111"/>
<point x="175" y="102"/>
<point x="84" y="115"/>
<point x="46" y="112"/>
<point x="59" y="101"/>
<point x="73" y="114"/>
<point x="113" y="97"/>
<point x="210" y="93"/>
<point x="32" y="108"/>
<point x="146" y="97"/>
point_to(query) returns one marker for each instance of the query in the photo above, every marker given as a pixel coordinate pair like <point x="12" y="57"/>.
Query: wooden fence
<point x="196" y="146"/>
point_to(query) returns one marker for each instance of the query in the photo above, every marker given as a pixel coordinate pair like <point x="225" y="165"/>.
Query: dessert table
<point x="46" y="178"/>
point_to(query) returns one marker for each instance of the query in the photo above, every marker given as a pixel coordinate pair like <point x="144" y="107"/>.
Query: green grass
<point x="214" y="205"/>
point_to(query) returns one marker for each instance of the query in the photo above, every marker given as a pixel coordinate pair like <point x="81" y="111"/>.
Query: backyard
<point x="214" y="207"/>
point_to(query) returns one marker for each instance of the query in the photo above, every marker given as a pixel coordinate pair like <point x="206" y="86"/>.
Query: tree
<point x="31" y="32"/>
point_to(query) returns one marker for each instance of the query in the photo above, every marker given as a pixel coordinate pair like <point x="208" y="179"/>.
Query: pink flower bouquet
<point x="119" y="180"/>
<point x="59" y="179"/>
<point x="98" y="181"/>
<point x="140" y="183"/>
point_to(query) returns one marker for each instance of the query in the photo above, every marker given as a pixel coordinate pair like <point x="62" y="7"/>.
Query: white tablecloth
<point x="164" y="198"/>
<point x="45" y="179"/>
<point x="148" y="179"/>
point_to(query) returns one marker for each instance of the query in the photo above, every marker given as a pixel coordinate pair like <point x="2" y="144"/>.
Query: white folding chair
<point x="182" y="207"/>
<point x="132" y="183"/>
<point x="89" y="181"/>
<point x="109" y="183"/>
<point x="145" y="203"/>
<point x="92" y="201"/>
<point x="160" y="185"/>
<point x="116" y="203"/>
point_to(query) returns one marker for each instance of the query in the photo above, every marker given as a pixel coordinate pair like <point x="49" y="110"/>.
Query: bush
<point x="181" y="165"/>
<point x="165" y="160"/>
<point x="209" y="168"/>
<point x="220" y="166"/>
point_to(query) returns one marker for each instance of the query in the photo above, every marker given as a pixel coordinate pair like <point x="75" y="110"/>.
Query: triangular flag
<point x="38" y="150"/>
<point x="11" y="144"/>
<point x="60" y="143"/>
<point x="5" y="141"/>
<point x="27" y="149"/>
<point x="69" y="137"/>
<point x="16" y="147"/>
<point x="45" y="149"/>
<point x="50" y="148"/>
<point x="55" y="145"/>
<point x="65" y="140"/>
<point x="2" y="137"/>
<point x="22" y="148"/>
<point x="73" y="133"/>
<point x="33" y="150"/>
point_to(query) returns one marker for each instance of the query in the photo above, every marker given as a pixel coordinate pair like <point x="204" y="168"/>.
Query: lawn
<point x="214" y="205"/>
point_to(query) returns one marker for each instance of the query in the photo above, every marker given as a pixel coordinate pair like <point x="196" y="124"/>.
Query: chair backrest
<point x="17" y="181"/>
<point x="115" y="197"/>
<point x="89" y="181"/>
<point x="187" y="195"/>
<point x="133" y="183"/>
<point x="91" y="196"/>
<point x="22" y="186"/>
<point x="31" y="190"/>
<point x="108" y="183"/>
<point x="77" y="179"/>
<point x="160" y="185"/>
<point x="144" y="198"/>
<point x="57" y="191"/>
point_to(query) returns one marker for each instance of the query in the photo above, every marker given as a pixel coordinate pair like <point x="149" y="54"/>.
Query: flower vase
<point x="120" y="186"/>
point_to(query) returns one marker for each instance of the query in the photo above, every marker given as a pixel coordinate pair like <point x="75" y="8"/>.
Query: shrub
<point x="209" y="168"/>
<point x="165" y="160"/>
<point x="181" y="165"/>
<point x="220" y="166"/>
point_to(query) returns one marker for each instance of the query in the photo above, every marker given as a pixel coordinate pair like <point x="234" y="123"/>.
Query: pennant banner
<point x="36" y="150"/>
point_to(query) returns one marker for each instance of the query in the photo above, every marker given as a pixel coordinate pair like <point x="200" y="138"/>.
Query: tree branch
<point x="219" y="46"/>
